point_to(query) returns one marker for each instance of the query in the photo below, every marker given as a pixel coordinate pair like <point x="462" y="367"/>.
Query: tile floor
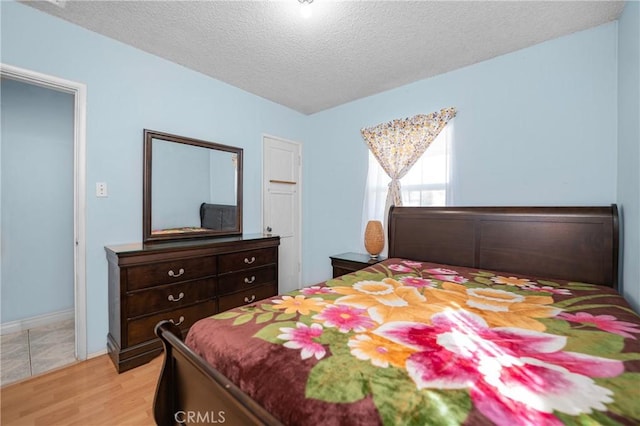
<point x="36" y="351"/>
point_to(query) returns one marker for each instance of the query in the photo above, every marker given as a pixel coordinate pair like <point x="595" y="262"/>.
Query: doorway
<point x="70" y="322"/>
<point x="281" y="206"/>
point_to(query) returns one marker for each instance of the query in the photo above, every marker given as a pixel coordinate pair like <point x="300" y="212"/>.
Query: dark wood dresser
<point x="181" y="282"/>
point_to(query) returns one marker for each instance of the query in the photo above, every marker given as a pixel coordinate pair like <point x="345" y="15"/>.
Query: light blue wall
<point x="629" y="147"/>
<point x="534" y="127"/>
<point x="129" y="90"/>
<point x="37" y="201"/>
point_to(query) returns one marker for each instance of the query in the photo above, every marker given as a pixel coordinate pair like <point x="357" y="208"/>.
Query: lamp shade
<point x="374" y="238"/>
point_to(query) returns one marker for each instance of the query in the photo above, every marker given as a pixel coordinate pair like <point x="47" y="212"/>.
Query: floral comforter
<point x="406" y="342"/>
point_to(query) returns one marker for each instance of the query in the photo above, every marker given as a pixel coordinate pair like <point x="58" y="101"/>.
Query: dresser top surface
<point x="139" y="247"/>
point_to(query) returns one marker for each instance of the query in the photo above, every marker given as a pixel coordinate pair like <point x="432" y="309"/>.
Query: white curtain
<point x="426" y="184"/>
<point x="399" y="144"/>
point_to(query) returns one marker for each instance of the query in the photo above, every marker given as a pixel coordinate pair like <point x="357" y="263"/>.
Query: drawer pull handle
<point x="247" y="300"/>
<point x="173" y="299"/>
<point x="250" y="280"/>
<point x="179" y="322"/>
<point x="249" y="261"/>
<point x="174" y="275"/>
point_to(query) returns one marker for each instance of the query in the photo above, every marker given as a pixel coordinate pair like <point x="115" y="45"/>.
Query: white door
<point x="281" y="206"/>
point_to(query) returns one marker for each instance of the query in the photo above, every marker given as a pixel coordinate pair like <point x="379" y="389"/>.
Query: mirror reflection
<point x="192" y="188"/>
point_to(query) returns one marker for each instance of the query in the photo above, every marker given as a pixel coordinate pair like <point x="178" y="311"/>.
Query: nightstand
<point x="346" y="263"/>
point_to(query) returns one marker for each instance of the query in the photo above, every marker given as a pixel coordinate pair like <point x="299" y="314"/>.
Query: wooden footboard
<point x="190" y="391"/>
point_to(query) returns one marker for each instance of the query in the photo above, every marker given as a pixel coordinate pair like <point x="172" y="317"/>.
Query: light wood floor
<point x="88" y="393"/>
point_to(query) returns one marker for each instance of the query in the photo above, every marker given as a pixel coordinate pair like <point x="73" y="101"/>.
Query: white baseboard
<point x="37" y="321"/>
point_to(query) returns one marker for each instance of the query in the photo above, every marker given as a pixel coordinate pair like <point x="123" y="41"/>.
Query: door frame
<point x="299" y="206"/>
<point x="79" y="92"/>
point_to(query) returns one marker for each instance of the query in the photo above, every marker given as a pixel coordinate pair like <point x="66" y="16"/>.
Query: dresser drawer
<point x="247" y="259"/>
<point x="141" y="330"/>
<point x="247" y="297"/>
<point x="170" y="296"/>
<point x="170" y="272"/>
<point x="243" y="280"/>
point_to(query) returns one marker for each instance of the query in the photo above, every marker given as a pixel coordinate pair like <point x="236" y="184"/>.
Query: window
<point x="426" y="184"/>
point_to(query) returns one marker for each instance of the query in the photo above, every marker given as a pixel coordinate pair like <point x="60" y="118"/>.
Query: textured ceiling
<point x="345" y="51"/>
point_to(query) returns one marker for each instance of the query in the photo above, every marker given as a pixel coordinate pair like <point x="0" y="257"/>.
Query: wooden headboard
<point x="570" y="243"/>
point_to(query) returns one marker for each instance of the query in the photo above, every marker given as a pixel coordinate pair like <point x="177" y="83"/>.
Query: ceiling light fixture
<point x="305" y="8"/>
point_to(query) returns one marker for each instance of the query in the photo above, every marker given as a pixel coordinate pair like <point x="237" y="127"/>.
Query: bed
<point x="490" y="315"/>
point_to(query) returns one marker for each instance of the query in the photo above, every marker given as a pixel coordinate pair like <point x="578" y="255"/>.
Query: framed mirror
<point x="191" y="188"/>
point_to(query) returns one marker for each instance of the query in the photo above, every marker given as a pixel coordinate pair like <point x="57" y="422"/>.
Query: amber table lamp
<point x="374" y="238"/>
